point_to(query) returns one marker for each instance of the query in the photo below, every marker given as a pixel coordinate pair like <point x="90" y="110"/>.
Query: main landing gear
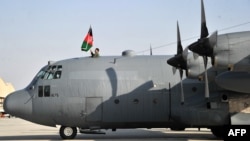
<point x="68" y="132"/>
<point x="217" y="131"/>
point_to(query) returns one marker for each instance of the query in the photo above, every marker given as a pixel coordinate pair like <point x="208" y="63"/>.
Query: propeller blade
<point x="182" y="92"/>
<point x="179" y="46"/>
<point x="204" y="30"/>
<point x="185" y="54"/>
<point x="174" y="70"/>
<point x="206" y="78"/>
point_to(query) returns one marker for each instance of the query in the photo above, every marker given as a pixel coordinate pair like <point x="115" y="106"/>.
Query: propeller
<point x="204" y="46"/>
<point x="179" y="61"/>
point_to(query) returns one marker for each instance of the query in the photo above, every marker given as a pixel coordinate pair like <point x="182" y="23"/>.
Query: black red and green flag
<point x="88" y="41"/>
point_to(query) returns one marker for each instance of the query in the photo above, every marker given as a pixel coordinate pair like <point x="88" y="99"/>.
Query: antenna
<point x="151" y="51"/>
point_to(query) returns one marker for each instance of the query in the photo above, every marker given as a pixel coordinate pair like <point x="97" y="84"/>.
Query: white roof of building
<point x="5" y="88"/>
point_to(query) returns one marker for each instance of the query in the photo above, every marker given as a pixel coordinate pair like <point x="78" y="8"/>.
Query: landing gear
<point x="177" y="128"/>
<point x="68" y="132"/>
<point x="217" y="131"/>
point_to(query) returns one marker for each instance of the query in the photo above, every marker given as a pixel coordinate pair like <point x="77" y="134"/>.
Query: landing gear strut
<point x="68" y="132"/>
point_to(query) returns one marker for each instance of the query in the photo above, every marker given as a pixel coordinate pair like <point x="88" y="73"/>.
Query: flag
<point x="88" y="41"/>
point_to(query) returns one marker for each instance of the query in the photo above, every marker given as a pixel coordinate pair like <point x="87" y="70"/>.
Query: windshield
<point x="52" y="72"/>
<point x="38" y="75"/>
<point x="47" y="73"/>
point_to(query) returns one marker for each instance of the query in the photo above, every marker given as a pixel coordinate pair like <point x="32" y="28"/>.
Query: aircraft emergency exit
<point x="129" y="91"/>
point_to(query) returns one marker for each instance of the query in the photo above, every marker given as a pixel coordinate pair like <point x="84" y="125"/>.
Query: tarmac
<point x="21" y="130"/>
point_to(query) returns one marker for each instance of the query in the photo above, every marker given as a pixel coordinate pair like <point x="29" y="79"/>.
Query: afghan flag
<point x="88" y="41"/>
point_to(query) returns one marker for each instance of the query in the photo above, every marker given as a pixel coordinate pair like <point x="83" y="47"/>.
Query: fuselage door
<point x="94" y="109"/>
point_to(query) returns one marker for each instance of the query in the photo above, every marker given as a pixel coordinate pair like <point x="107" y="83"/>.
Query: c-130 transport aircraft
<point x="116" y="92"/>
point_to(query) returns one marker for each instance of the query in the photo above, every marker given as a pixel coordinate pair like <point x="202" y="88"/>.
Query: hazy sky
<point x="35" y="31"/>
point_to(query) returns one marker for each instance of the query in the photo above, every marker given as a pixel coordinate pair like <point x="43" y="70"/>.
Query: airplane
<point x="138" y="91"/>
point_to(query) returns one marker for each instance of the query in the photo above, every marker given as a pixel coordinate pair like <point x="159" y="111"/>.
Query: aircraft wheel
<point x="68" y="132"/>
<point x="177" y="128"/>
<point x="217" y="131"/>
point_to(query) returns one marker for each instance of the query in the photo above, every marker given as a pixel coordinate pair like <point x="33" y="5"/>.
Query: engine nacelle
<point x="195" y="65"/>
<point x="234" y="81"/>
<point x="232" y="51"/>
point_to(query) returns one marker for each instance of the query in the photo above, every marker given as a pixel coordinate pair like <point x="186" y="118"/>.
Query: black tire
<point x="177" y="128"/>
<point x="217" y="131"/>
<point x="68" y="132"/>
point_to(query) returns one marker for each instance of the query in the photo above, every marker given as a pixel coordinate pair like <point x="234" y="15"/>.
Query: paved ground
<point x="18" y="129"/>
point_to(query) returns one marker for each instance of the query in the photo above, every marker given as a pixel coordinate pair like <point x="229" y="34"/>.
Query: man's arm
<point x="92" y="53"/>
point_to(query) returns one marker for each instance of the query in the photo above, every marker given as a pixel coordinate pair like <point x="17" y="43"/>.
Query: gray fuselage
<point x="116" y="92"/>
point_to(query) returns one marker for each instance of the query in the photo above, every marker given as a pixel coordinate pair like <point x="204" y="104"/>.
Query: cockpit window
<point x="46" y="91"/>
<point x="41" y="73"/>
<point x="52" y="72"/>
<point x="54" y="68"/>
<point x="46" y="73"/>
<point x="50" y="76"/>
<point x="57" y="74"/>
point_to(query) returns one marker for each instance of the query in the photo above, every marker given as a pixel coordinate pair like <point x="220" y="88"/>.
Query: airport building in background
<point x="5" y="89"/>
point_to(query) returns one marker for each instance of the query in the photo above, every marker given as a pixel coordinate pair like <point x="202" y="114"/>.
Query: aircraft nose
<point x="18" y="104"/>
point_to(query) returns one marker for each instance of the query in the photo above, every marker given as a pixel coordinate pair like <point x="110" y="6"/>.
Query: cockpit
<point x="47" y="73"/>
<point x="52" y="72"/>
<point x="23" y="102"/>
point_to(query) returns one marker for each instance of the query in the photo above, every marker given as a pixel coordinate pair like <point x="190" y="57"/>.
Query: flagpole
<point x="88" y="37"/>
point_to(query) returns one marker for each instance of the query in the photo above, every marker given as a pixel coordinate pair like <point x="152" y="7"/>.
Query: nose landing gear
<point x="68" y="132"/>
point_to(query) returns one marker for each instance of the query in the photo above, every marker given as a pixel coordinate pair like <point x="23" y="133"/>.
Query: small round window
<point x="155" y="101"/>
<point x="135" y="101"/>
<point x="117" y="101"/>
